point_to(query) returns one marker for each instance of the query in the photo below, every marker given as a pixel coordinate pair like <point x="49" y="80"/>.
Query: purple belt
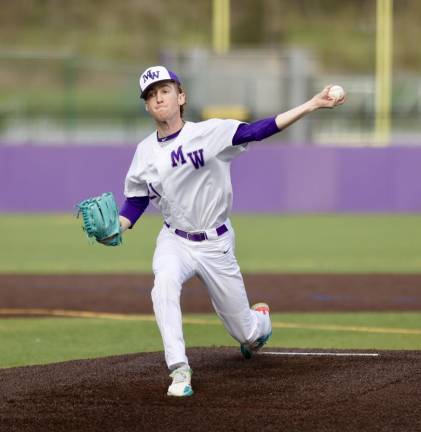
<point x="198" y="236"/>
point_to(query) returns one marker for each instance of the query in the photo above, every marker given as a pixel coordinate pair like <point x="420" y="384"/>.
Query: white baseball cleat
<point x="181" y="382"/>
<point x="249" y="349"/>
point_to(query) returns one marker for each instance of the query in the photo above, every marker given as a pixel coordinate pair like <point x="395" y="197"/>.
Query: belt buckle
<point x="199" y="236"/>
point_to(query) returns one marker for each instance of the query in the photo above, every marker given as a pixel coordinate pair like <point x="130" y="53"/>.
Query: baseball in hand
<point x="336" y="92"/>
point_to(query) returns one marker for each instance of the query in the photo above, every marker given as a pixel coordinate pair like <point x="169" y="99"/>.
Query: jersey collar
<point x="169" y="137"/>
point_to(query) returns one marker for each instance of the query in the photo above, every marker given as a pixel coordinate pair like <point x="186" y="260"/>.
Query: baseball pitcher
<point x="183" y="169"/>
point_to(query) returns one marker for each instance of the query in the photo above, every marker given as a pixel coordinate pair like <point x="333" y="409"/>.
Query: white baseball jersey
<point x="187" y="178"/>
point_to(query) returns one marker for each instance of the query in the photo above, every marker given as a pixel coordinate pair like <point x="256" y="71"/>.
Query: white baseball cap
<point x="155" y="74"/>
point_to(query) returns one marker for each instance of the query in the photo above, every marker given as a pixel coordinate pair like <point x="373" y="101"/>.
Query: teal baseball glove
<point x="100" y="219"/>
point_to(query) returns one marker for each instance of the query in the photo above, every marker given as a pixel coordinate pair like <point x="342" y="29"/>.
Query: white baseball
<point x="336" y="92"/>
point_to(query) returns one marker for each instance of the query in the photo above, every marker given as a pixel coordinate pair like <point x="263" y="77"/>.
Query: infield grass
<point x="28" y="341"/>
<point x="40" y="243"/>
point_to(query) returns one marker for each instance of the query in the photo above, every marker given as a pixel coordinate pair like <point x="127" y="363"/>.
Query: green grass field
<point x="287" y="243"/>
<point x="273" y="243"/>
<point x="27" y="341"/>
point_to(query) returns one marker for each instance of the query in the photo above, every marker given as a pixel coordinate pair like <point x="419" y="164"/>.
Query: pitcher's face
<point x="163" y="101"/>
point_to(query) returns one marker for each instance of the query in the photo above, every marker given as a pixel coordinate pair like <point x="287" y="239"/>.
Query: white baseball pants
<point x="175" y="261"/>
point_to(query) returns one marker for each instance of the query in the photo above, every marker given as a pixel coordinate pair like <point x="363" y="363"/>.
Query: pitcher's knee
<point x="242" y="331"/>
<point x="241" y="335"/>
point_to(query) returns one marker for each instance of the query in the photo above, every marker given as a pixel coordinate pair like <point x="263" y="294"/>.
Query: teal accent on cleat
<point x="245" y="351"/>
<point x="188" y="391"/>
<point x="263" y="340"/>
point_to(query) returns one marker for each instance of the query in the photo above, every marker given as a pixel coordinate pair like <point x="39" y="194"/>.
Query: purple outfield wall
<point x="267" y="178"/>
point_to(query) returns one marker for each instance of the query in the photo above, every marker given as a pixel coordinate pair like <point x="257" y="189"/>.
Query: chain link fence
<point x="59" y="98"/>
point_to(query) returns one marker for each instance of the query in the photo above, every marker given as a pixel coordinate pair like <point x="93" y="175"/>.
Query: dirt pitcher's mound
<point x="269" y="392"/>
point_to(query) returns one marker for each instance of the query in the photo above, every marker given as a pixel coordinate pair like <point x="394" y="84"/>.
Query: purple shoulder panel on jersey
<point x="256" y="131"/>
<point x="133" y="208"/>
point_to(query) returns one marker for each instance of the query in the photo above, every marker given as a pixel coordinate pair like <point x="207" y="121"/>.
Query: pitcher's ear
<point x="181" y="98"/>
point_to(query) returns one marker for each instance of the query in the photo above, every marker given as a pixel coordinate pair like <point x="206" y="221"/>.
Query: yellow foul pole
<point x="384" y="42"/>
<point x="221" y="26"/>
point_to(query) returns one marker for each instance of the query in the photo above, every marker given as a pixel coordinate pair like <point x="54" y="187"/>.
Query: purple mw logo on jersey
<point x="196" y="157"/>
<point x="150" y="74"/>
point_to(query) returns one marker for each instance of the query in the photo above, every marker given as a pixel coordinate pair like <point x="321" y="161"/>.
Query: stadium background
<point x="327" y="213"/>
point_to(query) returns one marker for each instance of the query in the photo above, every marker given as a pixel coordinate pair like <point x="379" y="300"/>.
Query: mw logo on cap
<point x="150" y="74"/>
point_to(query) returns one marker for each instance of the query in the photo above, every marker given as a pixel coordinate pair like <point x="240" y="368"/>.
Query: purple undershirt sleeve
<point x="256" y="131"/>
<point x="133" y="208"/>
